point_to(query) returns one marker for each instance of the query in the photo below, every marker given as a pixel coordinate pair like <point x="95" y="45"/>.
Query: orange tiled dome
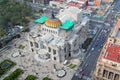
<point x="53" y="23"/>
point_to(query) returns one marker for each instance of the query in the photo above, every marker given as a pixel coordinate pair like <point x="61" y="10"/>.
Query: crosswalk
<point x="83" y="77"/>
<point x="86" y="78"/>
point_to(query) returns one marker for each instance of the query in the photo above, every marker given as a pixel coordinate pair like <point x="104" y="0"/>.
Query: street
<point x="116" y="5"/>
<point x="89" y="63"/>
<point x="86" y="68"/>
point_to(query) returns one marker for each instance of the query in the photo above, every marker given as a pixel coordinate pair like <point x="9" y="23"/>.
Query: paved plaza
<point x="26" y="61"/>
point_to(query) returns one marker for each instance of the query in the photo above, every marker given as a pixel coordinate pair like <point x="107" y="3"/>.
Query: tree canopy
<point x="86" y="43"/>
<point x="13" y="13"/>
<point x="2" y="32"/>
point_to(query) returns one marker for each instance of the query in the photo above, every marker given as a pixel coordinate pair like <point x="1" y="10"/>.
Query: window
<point x="99" y="72"/>
<point x="65" y="49"/>
<point x="36" y="44"/>
<point x="105" y="73"/>
<point x="54" y="32"/>
<point x="110" y="76"/>
<point x="69" y="55"/>
<point x="32" y="50"/>
<point x="116" y="77"/>
<point x="31" y="44"/>
<point x="42" y="45"/>
<point x="54" y="52"/>
<point x="65" y="56"/>
<point x="49" y="49"/>
<point x="53" y="5"/>
<point x="54" y="58"/>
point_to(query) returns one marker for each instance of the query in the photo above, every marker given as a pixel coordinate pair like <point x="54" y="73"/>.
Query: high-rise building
<point x="108" y="64"/>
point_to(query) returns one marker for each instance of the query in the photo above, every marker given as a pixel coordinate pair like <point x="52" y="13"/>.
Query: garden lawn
<point x="72" y="66"/>
<point x="14" y="75"/>
<point x="5" y="66"/>
<point x="30" y="77"/>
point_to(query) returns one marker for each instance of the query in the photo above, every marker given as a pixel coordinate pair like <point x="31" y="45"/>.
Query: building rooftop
<point x="53" y="23"/>
<point x="112" y="52"/>
<point x="59" y="1"/>
<point x="41" y="20"/>
<point x="116" y="28"/>
<point x="68" y="25"/>
<point x="74" y="10"/>
<point x="75" y="4"/>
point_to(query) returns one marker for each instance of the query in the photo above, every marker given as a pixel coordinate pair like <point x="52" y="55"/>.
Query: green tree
<point x="41" y="11"/>
<point x="46" y="78"/>
<point x="2" y="32"/>
<point x="12" y="13"/>
<point x="86" y="43"/>
<point x="30" y="77"/>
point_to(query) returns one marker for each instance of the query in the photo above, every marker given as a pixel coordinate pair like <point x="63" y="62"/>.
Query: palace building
<point x="55" y="39"/>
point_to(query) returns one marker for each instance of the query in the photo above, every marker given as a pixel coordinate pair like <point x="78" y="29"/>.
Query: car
<point x="80" y="76"/>
<point x="76" y="74"/>
<point x="99" y="50"/>
<point x="82" y="73"/>
<point x="92" y="49"/>
<point x="81" y="70"/>
<point x="44" y="9"/>
<point x="96" y="45"/>
<point x="86" y="65"/>
<point x="65" y="62"/>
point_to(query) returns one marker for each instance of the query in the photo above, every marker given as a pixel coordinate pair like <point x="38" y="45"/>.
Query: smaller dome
<point x="53" y="23"/>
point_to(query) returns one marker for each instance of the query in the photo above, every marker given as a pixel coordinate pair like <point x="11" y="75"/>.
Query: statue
<point x="52" y="15"/>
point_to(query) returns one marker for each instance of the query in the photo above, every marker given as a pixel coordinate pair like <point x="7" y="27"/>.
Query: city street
<point x="87" y="67"/>
<point x="116" y="5"/>
<point x="89" y="63"/>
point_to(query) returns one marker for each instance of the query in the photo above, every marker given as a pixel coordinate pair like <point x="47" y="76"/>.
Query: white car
<point x="81" y="70"/>
<point x="92" y="49"/>
<point x="65" y="62"/>
<point x="44" y="9"/>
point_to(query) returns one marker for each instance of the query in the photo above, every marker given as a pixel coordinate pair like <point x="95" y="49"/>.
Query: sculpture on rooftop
<point x="52" y="15"/>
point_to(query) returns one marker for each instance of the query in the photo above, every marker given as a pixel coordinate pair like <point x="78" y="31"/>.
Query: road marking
<point x="86" y="78"/>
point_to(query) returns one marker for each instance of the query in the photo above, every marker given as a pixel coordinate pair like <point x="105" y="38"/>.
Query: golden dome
<point x="53" y="23"/>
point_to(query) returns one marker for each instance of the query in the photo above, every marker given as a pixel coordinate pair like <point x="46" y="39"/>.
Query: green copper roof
<point x="41" y="20"/>
<point x="68" y="25"/>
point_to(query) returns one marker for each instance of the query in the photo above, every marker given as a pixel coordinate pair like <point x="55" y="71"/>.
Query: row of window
<point x="51" y="31"/>
<point x="49" y="50"/>
<point x="35" y="43"/>
<point x="110" y="75"/>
